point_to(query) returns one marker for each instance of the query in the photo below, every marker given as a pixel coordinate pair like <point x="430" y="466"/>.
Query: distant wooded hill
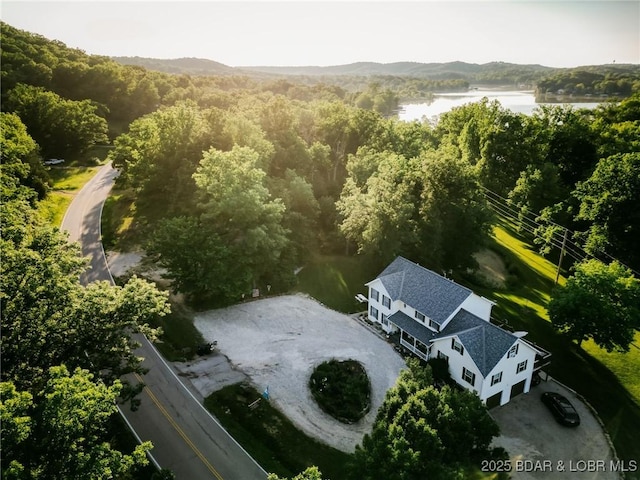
<point x="489" y="72"/>
<point x="608" y="80"/>
<point x="190" y="66"/>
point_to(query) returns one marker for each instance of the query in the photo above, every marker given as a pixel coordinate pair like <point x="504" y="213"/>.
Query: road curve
<point x="186" y="438"/>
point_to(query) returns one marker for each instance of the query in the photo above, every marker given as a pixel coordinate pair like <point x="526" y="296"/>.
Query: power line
<point x="529" y="221"/>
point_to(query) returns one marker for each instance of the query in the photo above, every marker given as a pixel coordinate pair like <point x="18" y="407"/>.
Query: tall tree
<point x="428" y="208"/>
<point x="61" y="127"/>
<point x="608" y="200"/>
<point x="60" y="431"/>
<point x="238" y="230"/>
<point x="423" y="432"/>
<point x="49" y="318"/>
<point x="378" y="204"/>
<point x="20" y="162"/>
<point x="160" y="153"/>
<point x="599" y="302"/>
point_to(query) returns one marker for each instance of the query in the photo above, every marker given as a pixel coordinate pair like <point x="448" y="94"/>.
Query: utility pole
<point x="564" y="243"/>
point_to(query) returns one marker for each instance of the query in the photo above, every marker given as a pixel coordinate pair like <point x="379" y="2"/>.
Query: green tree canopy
<point x="49" y="318"/>
<point x="236" y="239"/>
<point x="599" y="302"/>
<point x="60" y="431"/>
<point x="311" y="473"/>
<point x="22" y="172"/>
<point x="61" y="127"/>
<point x="161" y="151"/>
<point x="423" y="432"/>
<point x="609" y="202"/>
<point x="428" y="208"/>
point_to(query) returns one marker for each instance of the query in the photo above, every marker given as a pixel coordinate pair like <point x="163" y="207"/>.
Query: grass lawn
<point x="67" y="182"/>
<point x="336" y="280"/>
<point x="119" y="227"/>
<point x="269" y="437"/>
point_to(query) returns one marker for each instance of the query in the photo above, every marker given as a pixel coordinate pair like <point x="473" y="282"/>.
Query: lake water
<point x="516" y="101"/>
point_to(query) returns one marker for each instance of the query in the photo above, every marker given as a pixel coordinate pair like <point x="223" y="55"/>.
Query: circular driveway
<point x="278" y="342"/>
<point x="541" y="448"/>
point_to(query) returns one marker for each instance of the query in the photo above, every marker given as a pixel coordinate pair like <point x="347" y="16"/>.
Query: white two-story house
<point x="436" y="317"/>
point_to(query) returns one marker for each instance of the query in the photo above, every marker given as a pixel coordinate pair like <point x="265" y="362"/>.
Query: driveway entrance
<point x="540" y="448"/>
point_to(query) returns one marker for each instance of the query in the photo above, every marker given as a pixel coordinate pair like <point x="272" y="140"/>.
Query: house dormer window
<point x="375" y="294"/>
<point x="513" y="351"/>
<point x="457" y="346"/>
<point x="386" y="301"/>
<point x="434" y="325"/>
<point x="420" y="317"/>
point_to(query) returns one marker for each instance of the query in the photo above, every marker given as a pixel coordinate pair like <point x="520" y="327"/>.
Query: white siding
<point x="379" y="305"/>
<point x="510" y="377"/>
<point x="457" y="362"/>
<point x="479" y="306"/>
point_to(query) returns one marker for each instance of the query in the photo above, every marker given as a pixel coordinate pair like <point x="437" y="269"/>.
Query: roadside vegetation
<point x="270" y="437"/>
<point x="66" y="182"/>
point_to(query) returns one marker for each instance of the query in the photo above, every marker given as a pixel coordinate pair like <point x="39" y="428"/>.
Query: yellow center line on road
<point x="188" y="441"/>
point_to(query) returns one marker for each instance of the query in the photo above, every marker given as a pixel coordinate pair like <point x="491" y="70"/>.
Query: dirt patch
<point x="277" y="342"/>
<point x="210" y="373"/>
<point x="121" y="263"/>
<point x="492" y="270"/>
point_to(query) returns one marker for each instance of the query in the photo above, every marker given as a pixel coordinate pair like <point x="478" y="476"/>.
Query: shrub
<point x="342" y="389"/>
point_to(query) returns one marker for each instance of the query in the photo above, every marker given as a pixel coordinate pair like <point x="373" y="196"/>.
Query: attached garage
<point x="518" y="388"/>
<point x="494" y="400"/>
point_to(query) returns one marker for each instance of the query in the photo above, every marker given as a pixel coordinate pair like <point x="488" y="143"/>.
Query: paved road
<point x="186" y="438"/>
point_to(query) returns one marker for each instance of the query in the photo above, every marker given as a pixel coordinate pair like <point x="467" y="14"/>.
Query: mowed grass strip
<point x="67" y="182"/>
<point x="269" y="437"/>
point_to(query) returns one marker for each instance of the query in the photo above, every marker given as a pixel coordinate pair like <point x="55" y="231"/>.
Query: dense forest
<point x="236" y="182"/>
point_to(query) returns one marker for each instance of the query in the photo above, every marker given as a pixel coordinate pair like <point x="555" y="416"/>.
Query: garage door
<point x="494" y="400"/>
<point x="518" y="388"/>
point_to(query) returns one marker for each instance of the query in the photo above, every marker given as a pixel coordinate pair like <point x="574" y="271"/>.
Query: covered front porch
<point x="414" y="337"/>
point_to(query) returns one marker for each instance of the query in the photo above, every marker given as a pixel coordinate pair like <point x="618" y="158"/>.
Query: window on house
<point x="385" y="320"/>
<point x="386" y="301"/>
<point x="468" y="376"/>
<point x="513" y="351"/>
<point x="419" y="316"/>
<point x="497" y="378"/>
<point x="457" y="346"/>
<point x="373" y="312"/>
<point x="375" y="294"/>
<point x="522" y="366"/>
<point x="434" y="325"/>
<point x="443" y="355"/>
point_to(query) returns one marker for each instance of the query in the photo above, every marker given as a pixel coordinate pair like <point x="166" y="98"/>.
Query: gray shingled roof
<point x="412" y="327"/>
<point x="485" y="342"/>
<point x="426" y="291"/>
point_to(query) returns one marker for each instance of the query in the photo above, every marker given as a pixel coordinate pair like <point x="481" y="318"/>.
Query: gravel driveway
<point x="278" y="341"/>
<point x="541" y="448"/>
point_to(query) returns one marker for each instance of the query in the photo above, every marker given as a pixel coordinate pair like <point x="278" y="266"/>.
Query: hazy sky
<point x="242" y="33"/>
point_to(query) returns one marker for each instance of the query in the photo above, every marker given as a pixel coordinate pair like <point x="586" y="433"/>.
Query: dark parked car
<point x="561" y="408"/>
